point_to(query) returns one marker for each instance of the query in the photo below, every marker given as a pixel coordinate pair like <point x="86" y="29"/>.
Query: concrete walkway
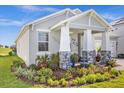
<point x="120" y="63"/>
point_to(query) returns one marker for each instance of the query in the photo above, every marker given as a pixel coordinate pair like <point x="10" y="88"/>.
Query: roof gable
<point x="90" y="12"/>
<point x="67" y="11"/>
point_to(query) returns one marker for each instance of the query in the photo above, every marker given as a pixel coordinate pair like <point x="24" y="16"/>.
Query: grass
<point x="4" y="51"/>
<point x="7" y="78"/>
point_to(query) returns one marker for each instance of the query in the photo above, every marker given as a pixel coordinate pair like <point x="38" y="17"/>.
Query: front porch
<point x="77" y="36"/>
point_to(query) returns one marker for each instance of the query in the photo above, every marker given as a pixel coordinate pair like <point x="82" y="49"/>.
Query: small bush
<point x="54" y="62"/>
<point x="111" y="63"/>
<point x="46" y="72"/>
<point x="81" y="71"/>
<point x="81" y="80"/>
<point x="30" y="74"/>
<point x="42" y="79"/>
<point x="36" y="78"/>
<point x="33" y="67"/>
<point x="91" y="78"/>
<point x="74" y="82"/>
<point x="71" y="70"/>
<point x="42" y="61"/>
<point x="52" y="83"/>
<point x="100" y="78"/>
<point x="17" y="63"/>
<point x="74" y="57"/>
<point x="90" y="71"/>
<point x="11" y="53"/>
<point x="63" y="82"/>
<point x="107" y="76"/>
<point x="20" y="71"/>
<point x="114" y="72"/>
<point x="67" y="76"/>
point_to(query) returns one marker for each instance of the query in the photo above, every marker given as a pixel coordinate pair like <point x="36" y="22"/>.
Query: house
<point x="118" y="31"/>
<point x="67" y="31"/>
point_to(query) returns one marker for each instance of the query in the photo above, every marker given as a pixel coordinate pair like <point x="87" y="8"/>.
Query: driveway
<point x="120" y="63"/>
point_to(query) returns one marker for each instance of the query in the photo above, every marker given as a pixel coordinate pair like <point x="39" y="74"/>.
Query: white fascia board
<point x="71" y="19"/>
<point x="77" y="9"/>
<point x="57" y="13"/>
<point x="43" y="18"/>
<point x="21" y="31"/>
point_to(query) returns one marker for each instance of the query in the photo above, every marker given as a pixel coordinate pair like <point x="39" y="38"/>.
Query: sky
<point x="12" y="18"/>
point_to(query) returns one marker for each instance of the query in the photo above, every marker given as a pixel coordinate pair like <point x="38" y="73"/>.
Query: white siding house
<point x="67" y="31"/>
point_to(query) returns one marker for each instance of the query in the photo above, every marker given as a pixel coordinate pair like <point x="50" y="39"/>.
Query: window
<point x="43" y="41"/>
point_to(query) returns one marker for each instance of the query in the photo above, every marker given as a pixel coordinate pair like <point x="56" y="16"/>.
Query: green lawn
<point x="7" y="78"/>
<point x="4" y="51"/>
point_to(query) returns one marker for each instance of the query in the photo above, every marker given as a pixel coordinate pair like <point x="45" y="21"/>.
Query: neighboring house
<point x="67" y="31"/>
<point x="119" y="32"/>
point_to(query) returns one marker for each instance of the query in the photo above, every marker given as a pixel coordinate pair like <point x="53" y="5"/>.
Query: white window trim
<point x="43" y="52"/>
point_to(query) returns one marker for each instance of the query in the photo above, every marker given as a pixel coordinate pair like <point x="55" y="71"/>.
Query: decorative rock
<point x="88" y="57"/>
<point x="64" y="59"/>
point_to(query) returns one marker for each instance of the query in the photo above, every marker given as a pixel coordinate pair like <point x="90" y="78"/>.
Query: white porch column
<point x="65" y="50"/>
<point x="105" y="41"/>
<point x="88" y="53"/>
<point x="105" y="53"/>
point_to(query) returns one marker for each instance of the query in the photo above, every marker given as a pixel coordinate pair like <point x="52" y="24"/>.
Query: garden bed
<point x="72" y="77"/>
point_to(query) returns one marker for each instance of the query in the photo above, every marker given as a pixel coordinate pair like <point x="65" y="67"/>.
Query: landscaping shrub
<point x="111" y="63"/>
<point x="42" y="61"/>
<point x="100" y="78"/>
<point x="74" y="58"/>
<point x="67" y="76"/>
<point x="42" y="79"/>
<point x="81" y="80"/>
<point x="107" y="76"/>
<point x="46" y="72"/>
<point x="16" y="63"/>
<point x="54" y="61"/>
<point x="98" y="57"/>
<point x="20" y="71"/>
<point x="30" y="74"/>
<point x="11" y="53"/>
<point x="52" y="82"/>
<point x="72" y="70"/>
<point x="81" y="71"/>
<point x="91" y="78"/>
<point x="91" y="69"/>
<point x="36" y="78"/>
<point x="63" y="82"/>
<point x="74" y="82"/>
<point x="114" y="73"/>
<point x="33" y="67"/>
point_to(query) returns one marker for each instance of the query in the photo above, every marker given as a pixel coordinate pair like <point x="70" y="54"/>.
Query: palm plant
<point x="42" y="61"/>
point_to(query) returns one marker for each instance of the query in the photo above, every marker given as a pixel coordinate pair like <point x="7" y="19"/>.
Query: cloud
<point x="31" y="8"/>
<point x="110" y="17"/>
<point x="9" y="22"/>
